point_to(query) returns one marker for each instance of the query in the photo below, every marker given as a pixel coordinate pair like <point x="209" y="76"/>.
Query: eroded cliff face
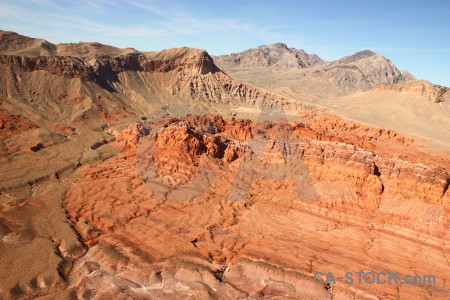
<point x="202" y="207"/>
<point x="105" y="68"/>
<point x="96" y="84"/>
<point x="73" y="96"/>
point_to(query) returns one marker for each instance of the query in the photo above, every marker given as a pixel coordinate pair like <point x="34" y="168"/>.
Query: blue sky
<point x="415" y="35"/>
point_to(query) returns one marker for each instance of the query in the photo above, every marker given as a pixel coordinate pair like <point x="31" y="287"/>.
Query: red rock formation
<point x="12" y="124"/>
<point x="230" y="208"/>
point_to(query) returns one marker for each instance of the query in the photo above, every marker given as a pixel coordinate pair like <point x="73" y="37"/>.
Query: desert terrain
<point x="177" y="175"/>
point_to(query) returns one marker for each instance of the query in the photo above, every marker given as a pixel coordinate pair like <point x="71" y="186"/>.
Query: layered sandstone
<point x="205" y="207"/>
<point x="96" y="88"/>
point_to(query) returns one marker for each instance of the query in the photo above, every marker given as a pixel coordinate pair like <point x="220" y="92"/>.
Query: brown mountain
<point x="277" y="66"/>
<point x="61" y="107"/>
<point x="361" y="71"/>
<point x="275" y="55"/>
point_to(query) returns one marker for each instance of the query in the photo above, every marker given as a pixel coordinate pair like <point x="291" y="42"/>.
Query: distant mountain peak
<point x="357" y="56"/>
<point x="280" y="45"/>
<point x="365" y="53"/>
<point x="275" y="55"/>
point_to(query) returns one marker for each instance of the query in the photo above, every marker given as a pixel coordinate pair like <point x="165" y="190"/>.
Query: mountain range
<point x="358" y="72"/>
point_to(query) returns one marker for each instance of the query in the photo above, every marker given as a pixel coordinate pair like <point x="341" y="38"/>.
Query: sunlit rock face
<point x="205" y="207"/>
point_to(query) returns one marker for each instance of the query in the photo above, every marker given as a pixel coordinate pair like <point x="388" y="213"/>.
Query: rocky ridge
<point x="361" y="71"/>
<point x="183" y="72"/>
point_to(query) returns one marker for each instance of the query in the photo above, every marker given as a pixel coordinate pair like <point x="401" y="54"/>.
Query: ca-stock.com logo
<point x="374" y="278"/>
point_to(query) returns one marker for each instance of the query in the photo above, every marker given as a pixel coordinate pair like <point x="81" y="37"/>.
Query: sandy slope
<point x="417" y="114"/>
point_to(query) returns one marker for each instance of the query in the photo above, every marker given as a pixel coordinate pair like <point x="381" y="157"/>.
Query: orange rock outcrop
<point x="202" y="207"/>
